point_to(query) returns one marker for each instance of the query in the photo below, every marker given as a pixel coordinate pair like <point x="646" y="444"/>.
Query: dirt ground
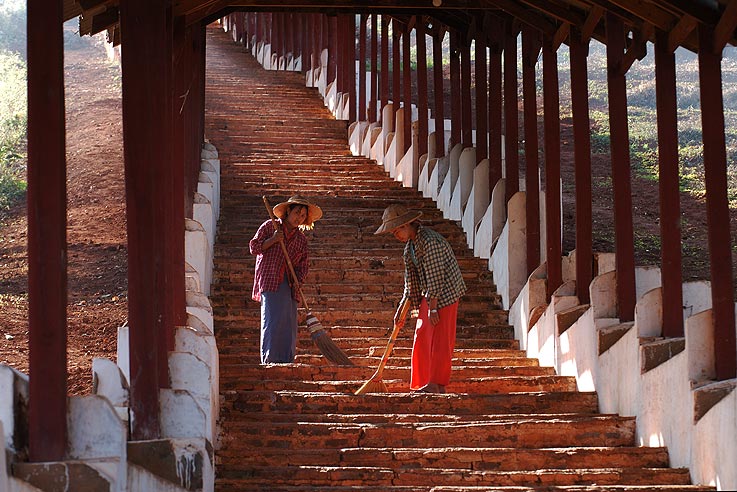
<point x="96" y="234"/>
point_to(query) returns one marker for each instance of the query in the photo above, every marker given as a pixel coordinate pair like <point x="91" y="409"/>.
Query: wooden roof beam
<point x="526" y="15"/>
<point x="685" y="28"/>
<point x="561" y="35"/>
<point x="592" y="20"/>
<point x="637" y="49"/>
<point x="650" y="12"/>
<point x="724" y="30"/>
<point x="556" y="12"/>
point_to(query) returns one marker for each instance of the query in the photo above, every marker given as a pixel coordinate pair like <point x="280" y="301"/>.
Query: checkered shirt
<point x="271" y="265"/>
<point x="432" y="271"/>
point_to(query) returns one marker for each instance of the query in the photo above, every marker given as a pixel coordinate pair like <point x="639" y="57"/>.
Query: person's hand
<point x="278" y="236"/>
<point x="434" y="317"/>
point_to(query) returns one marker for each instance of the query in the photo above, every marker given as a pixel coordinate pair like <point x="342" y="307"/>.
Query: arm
<point x="265" y="238"/>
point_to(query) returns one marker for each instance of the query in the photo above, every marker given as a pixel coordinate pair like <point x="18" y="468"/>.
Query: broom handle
<point x="286" y="255"/>
<point x="393" y="338"/>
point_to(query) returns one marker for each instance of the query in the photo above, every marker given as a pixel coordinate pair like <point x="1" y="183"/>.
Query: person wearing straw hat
<point x="433" y="284"/>
<point x="271" y="284"/>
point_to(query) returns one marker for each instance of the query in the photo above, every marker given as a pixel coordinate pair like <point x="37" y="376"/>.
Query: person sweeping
<point x="433" y="284"/>
<point x="272" y="285"/>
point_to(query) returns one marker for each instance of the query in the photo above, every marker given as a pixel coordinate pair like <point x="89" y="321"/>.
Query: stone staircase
<point x="506" y="423"/>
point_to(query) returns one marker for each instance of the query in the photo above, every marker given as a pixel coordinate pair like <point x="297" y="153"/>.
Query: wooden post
<point x="495" y="104"/>
<point x="332" y="49"/>
<point x="466" y="118"/>
<point x="421" y="87"/>
<point x="455" y="90"/>
<point x="47" y="245"/>
<point x="620" y="152"/>
<point x="437" y="57"/>
<point x="362" y="69"/>
<point x="482" y="110"/>
<point x="374" y="69"/>
<point x="146" y="123"/>
<point x="670" y="199"/>
<point x="396" y="69"/>
<point x="551" y="120"/>
<point x="511" y="116"/>
<point x="530" y="50"/>
<point x="384" y="87"/>
<point x="407" y="86"/>
<point x="349" y="62"/>
<point x="582" y="157"/>
<point x="717" y="205"/>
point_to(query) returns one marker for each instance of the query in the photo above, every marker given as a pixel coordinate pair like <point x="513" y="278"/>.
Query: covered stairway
<point x="505" y="424"/>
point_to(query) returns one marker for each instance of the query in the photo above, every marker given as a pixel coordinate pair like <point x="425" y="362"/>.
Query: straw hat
<point x="396" y="216"/>
<point x="313" y="211"/>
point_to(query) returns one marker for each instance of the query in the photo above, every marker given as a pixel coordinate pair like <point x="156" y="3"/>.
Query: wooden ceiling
<point x="643" y="18"/>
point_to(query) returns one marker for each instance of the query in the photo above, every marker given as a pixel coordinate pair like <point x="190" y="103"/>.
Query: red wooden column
<point x="455" y="90"/>
<point x="146" y="123"/>
<point x="332" y="48"/>
<point x="396" y="69"/>
<point x="422" y="129"/>
<point x="47" y="242"/>
<point x="511" y="115"/>
<point x="407" y="88"/>
<point x="466" y="118"/>
<point x="551" y="121"/>
<point x="362" y="113"/>
<point x="582" y="157"/>
<point x="495" y="102"/>
<point x="670" y="199"/>
<point x="384" y="86"/>
<point x="717" y="205"/>
<point x="482" y="110"/>
<point x="437" y="64"/>
<point x="374" y="69"/>
<point x="340" y="53"/>
<point x="622" y="190"/>
<point x="182" y="66"/>
<point x="349" y="64"/>
<point x="305" y="43"/>
<point x="530" y="50"/>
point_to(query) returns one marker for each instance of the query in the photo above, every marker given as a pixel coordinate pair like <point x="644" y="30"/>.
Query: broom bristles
<point x="372" y="386"/>
<point x="327" y="346"/>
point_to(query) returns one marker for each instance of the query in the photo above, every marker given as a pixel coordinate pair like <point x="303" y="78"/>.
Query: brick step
<point x="463" y="458"/>
<point x="341" y="293"/>
<point x="322" y="403"/>
<point x="233" y="486"/>
<point x="315" y="358"/>
<point x="312" y="356"/>
<point x="493" y="332"/>
<point x="237" y="370"/>
<point x="577" y="431"/>
<point x="382" y="306"/>
<point x="346" y="317"/>
<point x="482" y="385"/>
<point x="369" y="344"/>
<point x="276" y="138"/>
<point x="382" y="418"/>
<point x="332" y="476"/>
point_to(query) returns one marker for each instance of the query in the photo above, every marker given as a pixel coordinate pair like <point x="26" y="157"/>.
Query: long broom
<point x="327" y="346"/>
<point x="376" y="384"/>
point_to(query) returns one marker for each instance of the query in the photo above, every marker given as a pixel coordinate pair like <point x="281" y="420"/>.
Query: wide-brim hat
<point x="313" y="211"/>
<point x="396" y="216"/>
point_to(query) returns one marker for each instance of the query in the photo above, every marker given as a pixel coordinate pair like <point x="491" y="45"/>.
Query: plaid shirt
<point x="431" y="270"/>
<point x="271" y="265"/>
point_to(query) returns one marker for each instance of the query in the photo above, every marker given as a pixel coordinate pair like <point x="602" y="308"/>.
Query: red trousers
<point x="432" y="350"/>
